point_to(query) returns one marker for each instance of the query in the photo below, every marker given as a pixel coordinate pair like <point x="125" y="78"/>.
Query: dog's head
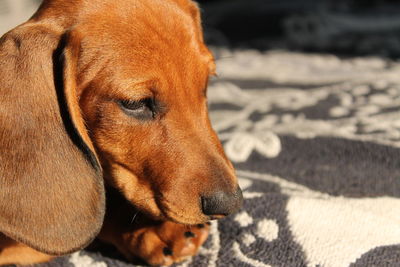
<point x="131" y="77"/>
<point x="142" y="86"/>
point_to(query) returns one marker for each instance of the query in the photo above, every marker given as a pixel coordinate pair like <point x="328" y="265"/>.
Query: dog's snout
<point x="221" y="203"/>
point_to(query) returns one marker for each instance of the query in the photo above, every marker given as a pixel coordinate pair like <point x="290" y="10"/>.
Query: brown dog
<point x="109" y="94"/>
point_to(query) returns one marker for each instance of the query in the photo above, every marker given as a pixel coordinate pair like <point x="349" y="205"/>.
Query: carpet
<point x="315" y="140"/>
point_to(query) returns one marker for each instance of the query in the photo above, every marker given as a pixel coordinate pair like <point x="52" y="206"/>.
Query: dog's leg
<point x="12" y="252"/>
<point x="157" y="243"/>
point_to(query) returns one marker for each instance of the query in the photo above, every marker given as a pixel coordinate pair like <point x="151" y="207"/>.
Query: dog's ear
<point x="51" y="185"/>
<point x="192" y="8"/>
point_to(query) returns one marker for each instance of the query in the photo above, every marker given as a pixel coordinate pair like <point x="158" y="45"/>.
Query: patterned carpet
<point x="316" y="143"/>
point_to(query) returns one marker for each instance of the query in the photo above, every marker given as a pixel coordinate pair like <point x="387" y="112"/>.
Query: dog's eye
<point x="140" y="109"/>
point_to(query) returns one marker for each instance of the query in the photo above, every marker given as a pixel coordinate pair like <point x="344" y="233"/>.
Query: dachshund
<point x="104" y="132"/>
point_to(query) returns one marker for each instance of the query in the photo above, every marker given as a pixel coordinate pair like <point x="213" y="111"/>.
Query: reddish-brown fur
<point x="63" y="132"/>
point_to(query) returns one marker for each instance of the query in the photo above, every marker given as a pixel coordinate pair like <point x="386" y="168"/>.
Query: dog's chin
<point x="182" y="217"/>
<point x="187" y="220"/>
<point x="176" y="219"/>
<point x="166" y="214"/>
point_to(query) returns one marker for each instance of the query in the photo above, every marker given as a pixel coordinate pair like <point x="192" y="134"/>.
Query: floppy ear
<point x="51" y="185"/>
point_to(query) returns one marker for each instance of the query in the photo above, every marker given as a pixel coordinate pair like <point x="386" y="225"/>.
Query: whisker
<point x="141" y="201"/>
<point x="134" y="216"/>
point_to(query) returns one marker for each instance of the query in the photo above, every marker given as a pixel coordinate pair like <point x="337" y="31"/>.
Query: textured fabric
<point x="315" y="140"/>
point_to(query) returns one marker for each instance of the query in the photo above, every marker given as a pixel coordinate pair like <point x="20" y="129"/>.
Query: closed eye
<point x="143" y="109"/>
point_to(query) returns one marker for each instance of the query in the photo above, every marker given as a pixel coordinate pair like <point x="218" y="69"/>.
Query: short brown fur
<point x="63" y="131"/>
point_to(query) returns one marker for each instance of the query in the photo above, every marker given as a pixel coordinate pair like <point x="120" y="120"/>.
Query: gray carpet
<point x="316" y="143"/>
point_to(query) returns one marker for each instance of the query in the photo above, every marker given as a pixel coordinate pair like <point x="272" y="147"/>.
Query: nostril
<point x="221" y="203"/>
<point x="214" y="204"/>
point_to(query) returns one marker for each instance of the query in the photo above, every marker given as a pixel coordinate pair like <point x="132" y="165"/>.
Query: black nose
<point x="222" y="203"/>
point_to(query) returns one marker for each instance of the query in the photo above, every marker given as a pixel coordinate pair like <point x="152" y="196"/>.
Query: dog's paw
<point x="165" y="243"/>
